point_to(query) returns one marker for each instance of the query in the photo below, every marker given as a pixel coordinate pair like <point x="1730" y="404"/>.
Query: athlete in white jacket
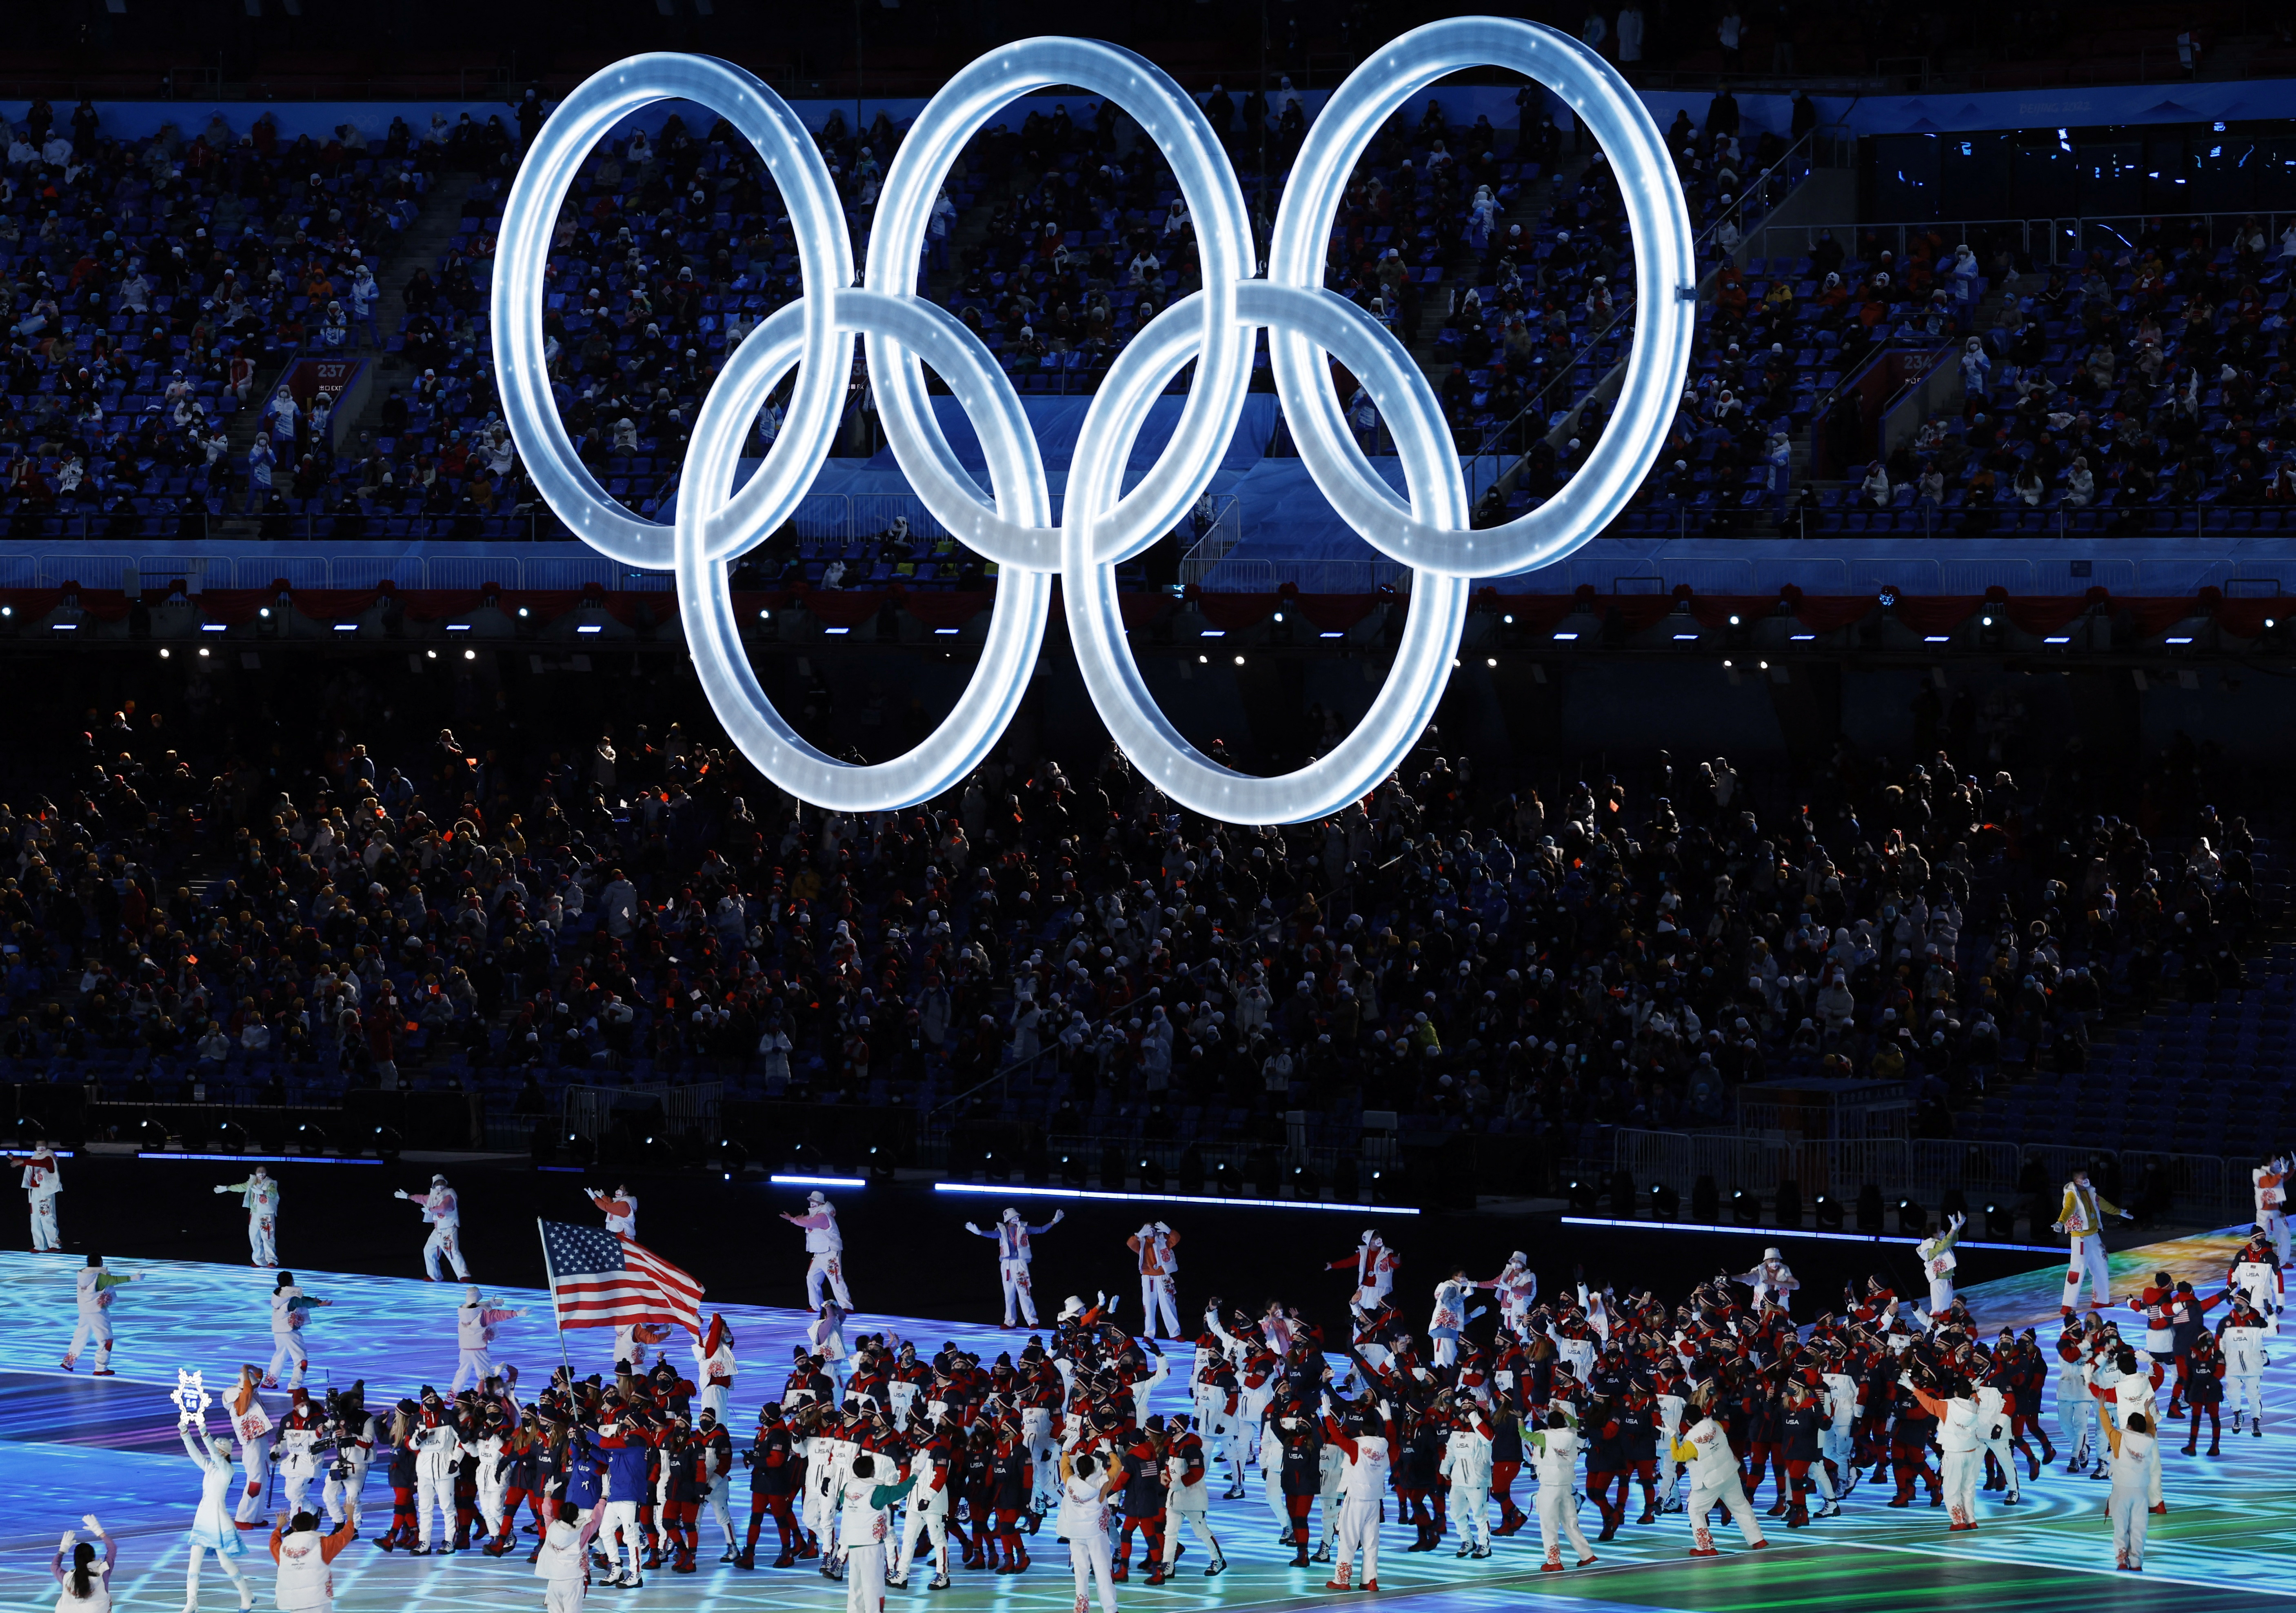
<point x="562" y="1562"/>
<point x="477" y="1321"/>
<point x="291" y="1309"/>
<point x="92" y="1299"/>
<point x="1714" y="1480"/>
<point x="2242" y="1337"/>
<point x="1467" y="1465"/>
<point x="1366" y="1445"/>
<point x="1554" y="1453"/>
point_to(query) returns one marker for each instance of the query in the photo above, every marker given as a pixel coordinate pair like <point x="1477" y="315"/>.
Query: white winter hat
<point x="1011" y="1214"/>
<point x="470" y="1293"/>
<point x="1071" y="1308"/>
<point x="817" y="1197"/>
<point x="1771" y="1253"/>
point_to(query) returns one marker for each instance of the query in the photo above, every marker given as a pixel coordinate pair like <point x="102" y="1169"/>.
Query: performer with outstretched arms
<point x="442" y="1214"/>
<point x="1013" y="1256"/>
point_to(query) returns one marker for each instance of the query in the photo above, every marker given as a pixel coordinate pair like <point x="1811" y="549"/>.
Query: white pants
<point x="2125" y="1505"/>
<point x="286" y="1348"/>
<point x="564" y="1595"/>
<point x="263" y="1240"/>
<point x="826" y="1269"/>
<point x="2077" y="1416"/>
<point x="2274" y="1224"/>
<point x="2002" y="1451"/>
<point x="1359" y="1529"/>
<point x="721" y="1487"/>
<point x="926" y="1522"/>
<point x="341" y="1496"/>
<point x="1043" y="1456"/>
<point x="864" y="1576"/>
<point x="1940" y="1296"/>
<point x="492" y="1491"/>
<point x="1839" y="1447"/>
<point x="442" y="1249"/>
<point x="45" y="1237"/>
<point x="2087" y="1259"/>
<point x="1018" y="1293"/>
<point x="434" y="1494"/>
<point x="1156" y="1291"/>
<point x="1447" y="1350"/>
<point x="1558" y="1516"/>
<point x="255" y="1459"/>
<point x="1729" y="1492"/>
<point x="95" y="1327"/>
<point x="230" y="1572"/>
<point x="712" y="1397"/>
<point x="1094" y="1562"/>
<point x="620" y="1523"/>
<point x="1471" y="1507"/>
<point x="1960" y="1481"/>
<point x="295" y="1485"/>
<point x="476" y="1364"/>
<point x="2247" y="1392"/>
<point x="1199" y="1521"/>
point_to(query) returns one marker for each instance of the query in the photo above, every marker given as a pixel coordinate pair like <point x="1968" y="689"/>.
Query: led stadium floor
<point x="71" y="1445"/>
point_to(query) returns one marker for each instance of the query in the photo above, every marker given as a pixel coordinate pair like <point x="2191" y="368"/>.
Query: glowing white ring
<point x="1665" y="269"/>
<point x="824" y="256"/>
<point x="1406" y="702"/>
<point x="1101" y="524"/>
<point x="1180" y="130"/>
<point x="1016" y="627"/>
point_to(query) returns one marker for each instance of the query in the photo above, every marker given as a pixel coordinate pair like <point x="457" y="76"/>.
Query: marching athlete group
<point x="873" y="1455"/>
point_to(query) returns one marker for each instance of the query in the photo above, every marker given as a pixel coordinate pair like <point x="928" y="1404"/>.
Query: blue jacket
<point x="582" y="1471"/>
<point x="626" y="1470"/>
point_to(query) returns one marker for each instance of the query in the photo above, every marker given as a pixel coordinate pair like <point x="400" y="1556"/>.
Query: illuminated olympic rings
<point x="1101" y="524"/>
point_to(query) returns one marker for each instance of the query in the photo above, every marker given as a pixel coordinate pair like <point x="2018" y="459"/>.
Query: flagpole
<point x="550" y="1275"/>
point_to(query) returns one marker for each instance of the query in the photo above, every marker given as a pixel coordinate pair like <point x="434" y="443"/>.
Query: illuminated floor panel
<point x="71" y="1445"/>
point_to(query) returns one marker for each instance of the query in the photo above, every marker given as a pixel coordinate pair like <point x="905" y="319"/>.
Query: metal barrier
<point x="1307" y="576"/>
<point x="688" y="1112"/>
<point x="1922" y="1170"/>
<point x="567" y="565"/>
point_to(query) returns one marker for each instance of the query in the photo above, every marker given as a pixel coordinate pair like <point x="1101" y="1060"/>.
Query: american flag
<point x="600" y="1279"/>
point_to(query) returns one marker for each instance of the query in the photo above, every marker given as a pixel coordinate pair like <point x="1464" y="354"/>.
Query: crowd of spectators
<point x="155" y="284"/>
<point x="2111" y="395"/>
<point x="160" y="284"/>
<point x="515" y="913"/>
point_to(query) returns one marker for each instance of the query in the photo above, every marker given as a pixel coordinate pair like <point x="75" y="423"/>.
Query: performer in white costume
<point x="442" y="1213"/>
<point x="259" y="1196"/>
<point x="1014" y="1257"/>
<point x="92" y="1298"/>
<point x="2082" y="1220"/>
<point x="212" y="1527"/>
<point x="826" y="1247"/>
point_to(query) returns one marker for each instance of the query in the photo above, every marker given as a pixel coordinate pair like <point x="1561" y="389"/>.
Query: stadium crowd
<point x="183" y="915"/>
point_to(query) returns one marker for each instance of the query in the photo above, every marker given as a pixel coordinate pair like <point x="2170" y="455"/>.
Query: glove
<point x="970" y="1227"/>
<point x="65" y="1544"/>
<point x="93" y="1527"/>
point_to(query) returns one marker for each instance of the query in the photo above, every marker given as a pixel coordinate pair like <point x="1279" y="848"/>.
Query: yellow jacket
<point x="2085" y="1210"/>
